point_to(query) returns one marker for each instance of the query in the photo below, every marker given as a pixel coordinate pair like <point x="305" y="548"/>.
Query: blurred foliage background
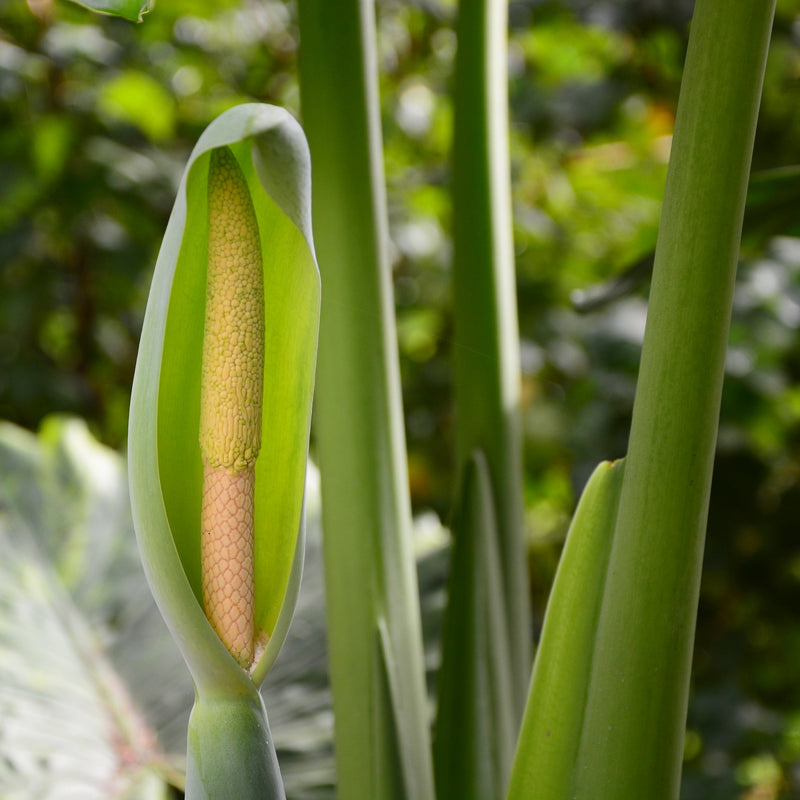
<point x="97" y="117"/>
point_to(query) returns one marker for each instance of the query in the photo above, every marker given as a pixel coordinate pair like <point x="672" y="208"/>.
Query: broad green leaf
<point x="476" y="723"/>
<point x="82" y="646"/>
<point x="133" y="10"/>
<point x="164" y="452"/>
<point x="546" y="759"/>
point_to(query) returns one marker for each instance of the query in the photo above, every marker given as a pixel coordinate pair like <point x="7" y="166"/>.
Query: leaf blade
<point x="133" y="10"/>
<point x="546" y="757"/>
<point x="476" y="721"/>
<point x="83" y="646"/>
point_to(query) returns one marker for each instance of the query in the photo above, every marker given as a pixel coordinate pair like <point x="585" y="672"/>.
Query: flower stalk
<point x="486" y="632"/>
<point x="220" y="412"/>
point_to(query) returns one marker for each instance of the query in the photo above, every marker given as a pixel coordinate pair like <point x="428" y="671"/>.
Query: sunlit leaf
<point x="133" y="10"/>
<point x="139" y="100"/>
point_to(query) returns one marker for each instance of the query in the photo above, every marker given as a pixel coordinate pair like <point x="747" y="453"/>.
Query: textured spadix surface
<point x="165" y="456"/>
<point x="231" y="390"/>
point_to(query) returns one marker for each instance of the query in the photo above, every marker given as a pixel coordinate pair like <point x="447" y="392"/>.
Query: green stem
<point x="486" y="346"/>
<point x="633" y="732"/>
<point x="380" y="706"/>
<point x="486" y="629"/>
<point x="475" y="723"/>
<point x="230" y="754"/>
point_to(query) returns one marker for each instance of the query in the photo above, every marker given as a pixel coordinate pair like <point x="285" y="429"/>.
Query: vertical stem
<point x="486" y="347"/>
<point x="377" y="674"/>
<point x="230" y="752"/>
<point x="635" y="717"/>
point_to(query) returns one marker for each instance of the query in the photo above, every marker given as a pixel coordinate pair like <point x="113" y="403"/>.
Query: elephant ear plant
<point x="219" y="427"/>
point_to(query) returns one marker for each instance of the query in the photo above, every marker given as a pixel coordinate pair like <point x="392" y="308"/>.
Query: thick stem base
<point x="230" y="754"/>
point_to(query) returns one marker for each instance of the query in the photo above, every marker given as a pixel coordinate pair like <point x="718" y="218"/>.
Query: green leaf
<point x="136" y="98"/>
<point x="134" y="10"/>
<point x="164" y="453"/>
<point x="546" y="759"/>
<point x="476" y="721"/>
<point x="83" y="646"/>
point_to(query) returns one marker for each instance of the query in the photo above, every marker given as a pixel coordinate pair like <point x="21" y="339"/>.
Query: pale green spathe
<point x="165" y="463"/>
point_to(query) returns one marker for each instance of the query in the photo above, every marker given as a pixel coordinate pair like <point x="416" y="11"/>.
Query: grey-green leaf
<point x="93" y="694"/>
